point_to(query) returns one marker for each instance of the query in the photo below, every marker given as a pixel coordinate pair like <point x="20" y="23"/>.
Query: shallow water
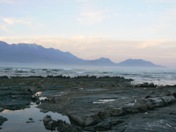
<point x="17" y="120"/>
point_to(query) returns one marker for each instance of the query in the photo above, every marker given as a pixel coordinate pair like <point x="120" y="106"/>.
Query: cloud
<point x="6" y="24"/>
<point x="13" y="21"/>
<point x="91" y="16"/>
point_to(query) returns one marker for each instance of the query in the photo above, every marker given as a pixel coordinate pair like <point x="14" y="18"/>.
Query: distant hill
<point x="36" y="54"/>
<point x="101" y="61"/>
<point x="32" y="53"/>
<point x="137" y="63"/>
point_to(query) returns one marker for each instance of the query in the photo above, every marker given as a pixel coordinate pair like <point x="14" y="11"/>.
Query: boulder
<point x="49" y="123"/>
<point x="52" y="125"/>
<point x="85" y="120"/>
<point x="116" y="111"/>
<point x="156" y="102"/>
<point x="62" y="126"/>
<point x="104" y="114"/>
<point x="168" y="99"/>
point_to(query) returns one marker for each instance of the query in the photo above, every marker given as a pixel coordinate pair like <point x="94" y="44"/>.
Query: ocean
<point x="159" y="76"/>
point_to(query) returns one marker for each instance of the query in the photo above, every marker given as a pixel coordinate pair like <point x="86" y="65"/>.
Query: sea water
<point x="159" y="76"/>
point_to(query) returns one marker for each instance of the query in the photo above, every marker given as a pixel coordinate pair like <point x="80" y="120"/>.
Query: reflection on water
<point x="18" y="121"/>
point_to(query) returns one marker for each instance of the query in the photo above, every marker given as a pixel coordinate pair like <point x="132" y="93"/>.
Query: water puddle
<point x="27" y="120"/>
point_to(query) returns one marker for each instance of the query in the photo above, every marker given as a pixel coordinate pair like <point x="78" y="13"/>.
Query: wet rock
<point x="34" y="98"/>
<point x="156" y="102"/>
<point x="147" y="85"/>
<point x="49" y="123"/>
<point x="46" y="119"/>
<point x="116" y="111"/>
<point x="1" y="109"/>
<point x="141" y="104"/>
<point x="130" y="109"/>
<point x="91" y="120"/>
<point x="30" y="120"/>
<point x="60" y="125"/>
<point x="168" y="99"/>
<point x="150" y="125"/>
<point x="104" y="114"/>
<point x="104" y="125"/>
<point x="107" y="124"/>
<point x="2" y="120"/>
<point x="85" y="120"/>
<point x="76" y="119"/>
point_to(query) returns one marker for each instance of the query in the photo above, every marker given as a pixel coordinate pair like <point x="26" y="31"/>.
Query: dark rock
<point x="116" y="111"/>
<point x="1" y="109"/>
<point x="104" y="114"/>
<point x="34" y="98"/>
<point x="147" y="85"/>
<point x="130" y="109"/>
<point x="30" y="121"/>
<point x="46" y="119"/>
<point x="156" y="102"/>
<point x="60" y="125"/>
<point x="107" y="125"/>
<point x="104" y="125"/>
<point x="141" y="104"/>
<point x="2" y="120"/>
<point x="168" y="99"/>
<point x="85" y="120"/>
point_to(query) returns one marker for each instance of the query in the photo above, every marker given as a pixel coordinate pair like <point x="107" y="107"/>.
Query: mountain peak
<point x="3" y="43"/>
<point x="137" y="63"/>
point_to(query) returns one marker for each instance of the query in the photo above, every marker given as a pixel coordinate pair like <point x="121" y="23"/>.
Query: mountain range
<point x="36" y="54"/>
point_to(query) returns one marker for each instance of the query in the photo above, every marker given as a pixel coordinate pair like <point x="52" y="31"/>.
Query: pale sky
<point x="116" y="29"/>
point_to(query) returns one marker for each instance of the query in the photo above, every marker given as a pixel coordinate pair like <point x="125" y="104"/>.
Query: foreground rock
<point x="94" y="104"/>
<point x="58" y="125"/>
<point x="114" y="109"/>
<point x="139" y="105"/>
<point x="14" y="98"/>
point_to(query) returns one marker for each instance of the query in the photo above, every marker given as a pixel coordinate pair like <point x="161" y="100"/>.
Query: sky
<point x="90" y="29"/>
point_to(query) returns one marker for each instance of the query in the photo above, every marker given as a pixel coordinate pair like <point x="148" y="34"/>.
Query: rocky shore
<point x="93" y="103"/>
